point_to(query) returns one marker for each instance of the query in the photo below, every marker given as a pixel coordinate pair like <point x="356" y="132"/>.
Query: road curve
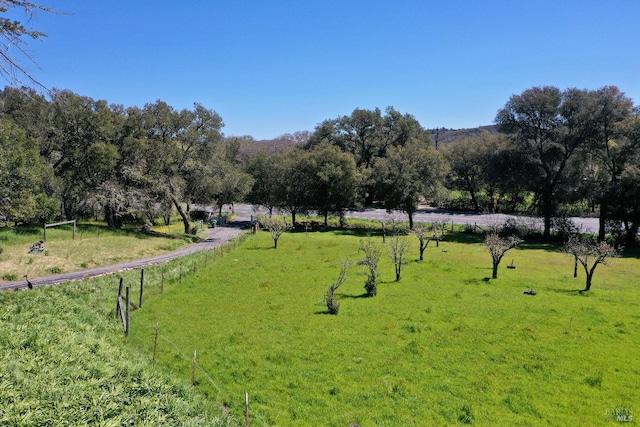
<point x="214" y="237"/>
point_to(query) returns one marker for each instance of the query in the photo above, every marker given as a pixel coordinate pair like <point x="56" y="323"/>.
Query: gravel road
<point x="213" y="237"/>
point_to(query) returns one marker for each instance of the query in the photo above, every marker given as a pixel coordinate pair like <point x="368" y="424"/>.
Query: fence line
<point x="123" y="306"/>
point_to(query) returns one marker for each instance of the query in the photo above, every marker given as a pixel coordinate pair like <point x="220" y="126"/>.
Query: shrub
<point x="333" y="305"/>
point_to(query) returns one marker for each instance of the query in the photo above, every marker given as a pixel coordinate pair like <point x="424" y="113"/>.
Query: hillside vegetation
<point x="64" y="362"/>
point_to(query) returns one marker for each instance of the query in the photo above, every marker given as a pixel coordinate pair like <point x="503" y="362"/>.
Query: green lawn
<point x="445" y="345"/>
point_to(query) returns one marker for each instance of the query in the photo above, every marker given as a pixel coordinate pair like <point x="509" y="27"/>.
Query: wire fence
<point x="153" y="281"/>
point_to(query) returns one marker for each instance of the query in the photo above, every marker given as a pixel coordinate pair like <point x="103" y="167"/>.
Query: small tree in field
<point x="372" y="254"/>
<point x="590" y="253"/>
<point x="498" y="246"/>
<point x="333" y="305"/>
<point x="389" y="224"/>
<point x="421" y="231"/>
<point x="398" y="250"/>
<point x="439" y="229"/>
<point x="276" y="226"/>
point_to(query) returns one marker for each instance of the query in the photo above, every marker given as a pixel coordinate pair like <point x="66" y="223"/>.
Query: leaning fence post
<point x="127" y="310"/>
<point x="141" y="285"/>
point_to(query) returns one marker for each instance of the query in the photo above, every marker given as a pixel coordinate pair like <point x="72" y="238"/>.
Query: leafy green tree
<point x="548" y="126"/>
<point x="406" y="175"/>
<point x="295" y="182"/>
<point x="610" y="149"/>
<point x="265" y="189"/>
<point x="627" y="202"/>
<point x="367" y="135"/>
<point x="231" y="185"/>
<point x="470" y="162"/>
<point x="335" y="182"/>
<point x="22" y="173"/>
<point x="180" y="145"/>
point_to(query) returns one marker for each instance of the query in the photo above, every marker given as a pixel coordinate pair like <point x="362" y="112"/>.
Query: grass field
<point x="95" y="245"/>
<point x="66" y="362"/>
<point x="445" y="345"/>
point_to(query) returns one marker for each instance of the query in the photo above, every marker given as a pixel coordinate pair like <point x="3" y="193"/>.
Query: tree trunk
<point x="275" y="243"/>
<point x="474" y="200"/>
<point x="494" y="274"/>
<point x="632" y="232"/>
<point x="602" y="220"/>
<point x="589" y="277"/>
<point x="547" y="212"/>
<point x="183" y="215"/>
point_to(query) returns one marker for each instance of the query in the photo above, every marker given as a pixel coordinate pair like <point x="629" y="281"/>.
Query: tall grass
<point x="445" y="345"/>
<point x="64" y="362"/>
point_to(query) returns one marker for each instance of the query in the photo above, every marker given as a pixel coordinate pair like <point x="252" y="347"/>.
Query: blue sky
<point x="272" y="67"/>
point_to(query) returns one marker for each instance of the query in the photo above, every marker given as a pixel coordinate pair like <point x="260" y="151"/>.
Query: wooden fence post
<point x="128" y="312"/>
<point x="193" y="368"/>
<point x="246" y="409"/>
<point x="119" y="295"/>
<point x="141" y="285"/>
<point x="155" y="342"/>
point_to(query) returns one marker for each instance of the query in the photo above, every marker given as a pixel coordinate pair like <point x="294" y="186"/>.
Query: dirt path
<point x="213" y="237"/>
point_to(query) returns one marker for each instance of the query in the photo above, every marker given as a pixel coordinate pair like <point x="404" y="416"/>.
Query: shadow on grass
<point x="348" y="296"/>
<point x="345" y="231"/>
<point x="578" y="292"/>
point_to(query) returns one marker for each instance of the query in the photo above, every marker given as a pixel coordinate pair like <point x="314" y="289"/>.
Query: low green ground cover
<point x="445" y="345"/>
<point x="65" y="362"/>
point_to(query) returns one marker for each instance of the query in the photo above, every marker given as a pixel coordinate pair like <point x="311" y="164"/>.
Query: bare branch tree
<point x="13" y="44"/>
<point x="398" y="249"/>
<point x="276" y="225"/>
<point x="372" y="254"/>
<point x="421" y="231"/>
<point x="498" y="246"/>
<point x="590" y="253"/>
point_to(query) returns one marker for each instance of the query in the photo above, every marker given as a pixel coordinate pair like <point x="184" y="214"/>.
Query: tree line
<point x="559" y="152"/>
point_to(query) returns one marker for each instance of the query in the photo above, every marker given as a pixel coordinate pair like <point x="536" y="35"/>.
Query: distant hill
<point x="443" y="136"/>
<point x="250" y="148"/>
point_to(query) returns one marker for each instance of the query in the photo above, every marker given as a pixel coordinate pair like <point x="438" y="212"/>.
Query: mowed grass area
<point x="445" y="345"/>
<point x="95" y="245"/>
